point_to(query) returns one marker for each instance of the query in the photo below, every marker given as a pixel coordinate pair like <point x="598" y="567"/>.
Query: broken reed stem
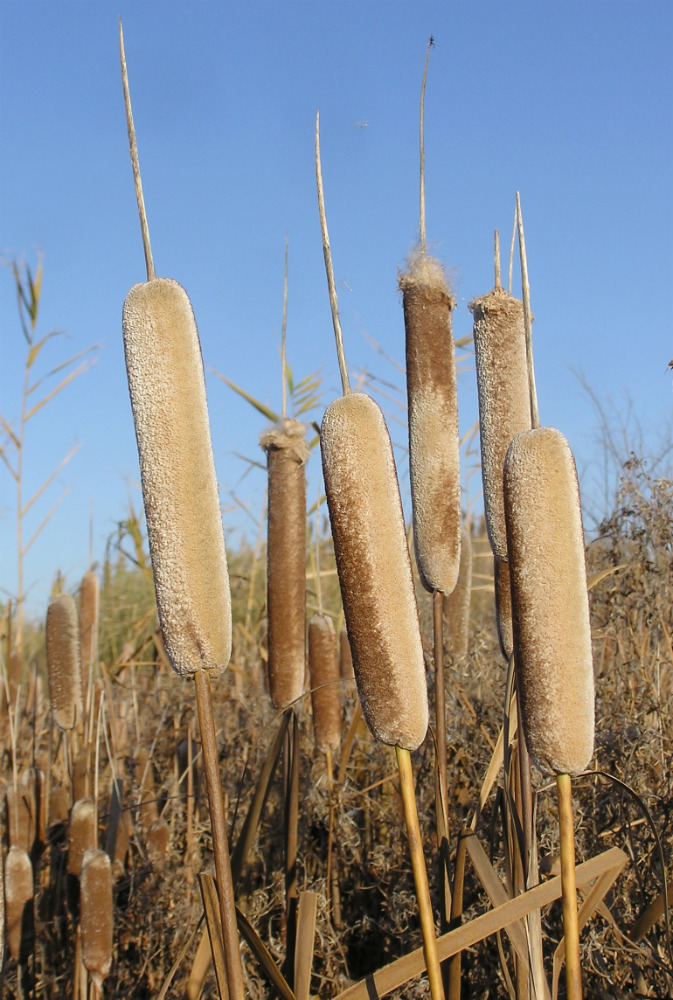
<point x="527" y="319"/>
<point x="133" y="150"/>
<point x="225" y="887"/>
<point x="569" y="889"/>
<point x="420" y="873"/>
<point x="327" y="253"/>
<point x="421" y="227"/>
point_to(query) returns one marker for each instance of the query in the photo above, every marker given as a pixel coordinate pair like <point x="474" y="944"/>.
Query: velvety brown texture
<point x="550" y="607"/>
<point x="18" y="895"/>
<point x="457" y="604"/>
<point x="434" y="459"/>
<point x="325" y="679"/>
<point x="88" y="621"/>
<point x="374" y="569"/>
<point x="82" y="833"/>
<point x="96" y="914"/>
<point x="345" y="656"/>
<point x="503" y="607"/>
<point x="287" y="453"/>
<point x="63" y="660"/>
<point x="182" y="507"/>
<point x="504" y="403"/>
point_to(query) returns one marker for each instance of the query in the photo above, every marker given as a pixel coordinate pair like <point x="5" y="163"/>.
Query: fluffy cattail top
<point x="323" y="659"/>
<point x="434" y="461"/>
<point x="287" y="454"/>
<point x="63" y="660"/>
<point x="182" y="509"/>
<point x="550" y="608"/>
<point x="374" y="570"/>
<point x="504" y="402"/>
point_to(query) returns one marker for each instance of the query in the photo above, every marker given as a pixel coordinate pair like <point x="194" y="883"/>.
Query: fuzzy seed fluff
<point x="182" y="508"/>
<point x="374" y="570"/>
<point x="550" y="607"/>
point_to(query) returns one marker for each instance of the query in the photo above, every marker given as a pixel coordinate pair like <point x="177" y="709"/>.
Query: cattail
<point x="59" y="804"/>
<point x="88" y="624"/>
<point x="434" y="460"/>
<point x="374" y="570"/>
<point x="504" y="401"/>
<point x="323" y="660"/>
<point x="182" y="509"/>
<point x="82" y="834"/>
<point x="158" y="841"/>
<point x="457" y="604"/>
<point x="96" y="915"/>
<point x="287" y="454"/>
<point x="18" y="817"/>
<point x="63" y="661"/>
<point x="503" y="607"/>
<point x="550" y="608"/>
<point x="18" y="902"/>
<point x="80" y="774"/>
<point x="345" y="657"/>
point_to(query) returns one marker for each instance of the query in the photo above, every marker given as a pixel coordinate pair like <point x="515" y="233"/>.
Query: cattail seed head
<point x="88" y="624"/>
<point x="63" y="661"/>
<point x="96" y="914"/>
<point x="323" y="661"/>
<point x="287" y="454"/>
<point x="345" y="656"/>
<point x="182" y="509"/>
<point x="18" y="901"/>
<point x="504" y="402"/>
<point x="457" y="604"/>
<point x="550" y="607"/>
<point x="82" y="834"/>
<point x="374" y="570"/>
<point x="503" y="607"/>
<point x="434" y="460"/>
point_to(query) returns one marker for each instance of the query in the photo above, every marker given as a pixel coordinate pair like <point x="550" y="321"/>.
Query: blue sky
<point x="568" y="102"/>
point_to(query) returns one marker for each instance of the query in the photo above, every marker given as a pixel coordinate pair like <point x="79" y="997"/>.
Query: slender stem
<point x="511" y="254"/>
<point x="329" y="270"/>
<point x="455" y="962"/>
<point x="496" y="258"/>
<point x="283" y="333"/>
<point x="528" y="323"/>
<point x="133" y="149"/>
<point x="568" y="888"/>
<point x="291" y="842"/>
<point x="421" y="227"/>
<point x="225" y="887"/>
<point x="420" y="874"/>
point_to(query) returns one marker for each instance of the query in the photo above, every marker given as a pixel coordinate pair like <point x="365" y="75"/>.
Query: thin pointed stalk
<point x="569" y="888"/>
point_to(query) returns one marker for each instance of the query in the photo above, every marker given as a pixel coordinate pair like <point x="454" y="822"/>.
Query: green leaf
<point x="260" y="407"/>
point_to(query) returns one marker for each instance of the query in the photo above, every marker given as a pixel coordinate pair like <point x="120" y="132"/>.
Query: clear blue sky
<point x="569" y="102"/>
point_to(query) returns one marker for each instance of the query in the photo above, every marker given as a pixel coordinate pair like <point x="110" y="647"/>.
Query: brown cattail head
<point x="434" y="460"/>
<point x="63" y="661"/>
<point x="345" y="657"/>
<point x="20" y="822"/>
<point x="374" y="570"/>
<point x="457" y="604"/>
<point x="287" y="454"/>
<point x="323" y="662"/>
<point x="18" y="902"/>
<point x="88" y="624"/>
<point x="504" y="402"/>
<point x="550" y="607"/>
<point x="503" y="607"/>
<point x="96" y="914"/>
<point x="82" y="834"/>
<point x="182" y="508"/>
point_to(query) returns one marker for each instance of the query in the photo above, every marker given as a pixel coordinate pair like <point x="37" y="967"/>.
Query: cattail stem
<point x="569" y="890"/>
<point x="421" y="227"/>
<point x="441" y="789"/>
<point x="420" y="873"/>
<point x="283" y="335"/>
<point x="496" y="258"/>
<point x="528" y="322"/>
<point x="225" y="887"/>
<point x="327" y="253"/>
<point x="455" y="962"/>
<point x="291" y="842"/>
<point x="133" y="149"/>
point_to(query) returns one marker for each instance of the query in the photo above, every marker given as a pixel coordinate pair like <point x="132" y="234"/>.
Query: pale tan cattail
<point x="20" y="825"/>
<point x="434" y="458"/>
<point x="182" y="509"/>
<point x="323" y="661"/>
<point x="345" y="657"/>
<point x="374" y="570"/>
<point x="63" y="661"/>
<point x="96" y="916"/>
<point x="82" y="834"/>
<point x="550" y="608"/>
<point x="287" y="454"/>
<point x="503" y="607"/>
<point x="504" y="400"/>
<point x="88" y="624"/>
<point x="457" y="604"/>
<point x="18" y="900"/>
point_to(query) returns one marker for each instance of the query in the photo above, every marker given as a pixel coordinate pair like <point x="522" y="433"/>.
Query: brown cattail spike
<point x="503" y="607"/>
<point x="184" y="525"/>
<point x="323" y="659"/>
<point x="96" y="915"/>
<point x="374" y="570"/>
<point x="18" y="902"/>
<point x="457" y="604"/>
<point x="550" y="608"/>
<point x="434" y="458"/>
<point x="287" y="454"/>
<point x="82" y="834"/>
<point x="504" y="407"/>
<point x="88" y="623"/>
<point x="63" y="660"/>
